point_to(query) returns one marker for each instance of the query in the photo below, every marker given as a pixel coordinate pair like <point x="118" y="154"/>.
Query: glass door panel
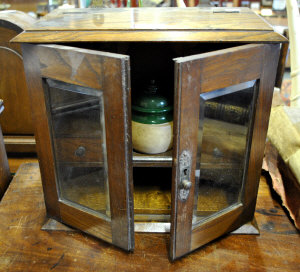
<point x="81" y="103"/>
<point x="222" y="104"/>
<point x="223" y="144"/>
<point x="78" y="133"/>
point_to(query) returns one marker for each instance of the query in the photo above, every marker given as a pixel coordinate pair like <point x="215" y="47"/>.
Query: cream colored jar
<point x="152" y="121"/>
<point x="152" y="138"/>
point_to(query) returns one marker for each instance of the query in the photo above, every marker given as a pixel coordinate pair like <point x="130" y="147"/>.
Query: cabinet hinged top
<point x="151" y="24"/>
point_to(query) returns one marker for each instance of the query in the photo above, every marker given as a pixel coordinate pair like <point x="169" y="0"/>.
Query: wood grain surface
<point x="41" y="130"/>
<point x="15" y="161"/>
<point x="106" y="73"/>
<point x="16" y="120"/>
<point x="244" y="63"/>
<point x="151" y="24"/>
<point x="260" y="127"/>
<point x="152" y="18"/>
<point x="25" y="247"/>
<point x="149" y="36"/>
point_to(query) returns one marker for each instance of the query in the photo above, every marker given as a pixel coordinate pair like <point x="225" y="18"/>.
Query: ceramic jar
<point x="152" y="121"/>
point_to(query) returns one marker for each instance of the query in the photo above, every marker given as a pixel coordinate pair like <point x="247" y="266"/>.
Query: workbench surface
<point x="25" y="247"/>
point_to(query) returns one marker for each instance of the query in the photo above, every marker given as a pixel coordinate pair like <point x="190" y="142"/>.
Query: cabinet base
<point x="248" y="228"/>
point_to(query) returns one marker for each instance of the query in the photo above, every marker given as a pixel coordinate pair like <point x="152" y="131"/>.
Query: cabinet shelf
<point x="156" y="160"/>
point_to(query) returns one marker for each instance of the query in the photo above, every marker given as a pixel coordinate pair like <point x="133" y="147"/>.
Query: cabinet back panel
<point x="154" y="60"/>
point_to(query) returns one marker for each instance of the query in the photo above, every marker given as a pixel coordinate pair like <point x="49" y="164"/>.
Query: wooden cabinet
<point x="218" y="67"/>
<point x="16" y="120"/>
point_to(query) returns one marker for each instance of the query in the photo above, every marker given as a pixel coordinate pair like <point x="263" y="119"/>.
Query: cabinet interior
<point x="152" y="174"/>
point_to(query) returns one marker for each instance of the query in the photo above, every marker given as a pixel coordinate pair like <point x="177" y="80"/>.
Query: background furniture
<point x="16" y="120"/>
<point x="4" y="168"/>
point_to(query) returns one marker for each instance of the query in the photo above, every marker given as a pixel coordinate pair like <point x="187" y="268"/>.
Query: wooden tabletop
<point x="25" y="247"/>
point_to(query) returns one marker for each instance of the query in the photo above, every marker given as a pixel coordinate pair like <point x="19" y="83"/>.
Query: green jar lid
<point x="149" y="107"/>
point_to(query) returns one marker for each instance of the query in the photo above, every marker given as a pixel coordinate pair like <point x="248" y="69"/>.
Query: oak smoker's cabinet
<point x="82" y="69"/>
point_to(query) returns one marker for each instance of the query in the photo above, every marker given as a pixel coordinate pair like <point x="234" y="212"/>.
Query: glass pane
<point x="78" y="134"/>
<point x="223" y="140"/>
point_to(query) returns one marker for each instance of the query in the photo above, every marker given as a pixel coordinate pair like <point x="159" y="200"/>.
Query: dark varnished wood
<point x="150" y="36"/>
<point x="43" y="142"/>
<point x="216" y="227"/>
<point x="260" y="127"/>
<point x="225" y="68"/>
<point x="86" y="222"/>
<point x="24" y="246"/>
<point x="203" y="73"/>
<point x="194" y="75"/>
<point x="74" y="65"/>
<point x="134" y="24"/>
<point x="185" y="137"/>
<point x="16" y="120"/>
<point x="117" y="101"/>
<point x="104" y="72"/>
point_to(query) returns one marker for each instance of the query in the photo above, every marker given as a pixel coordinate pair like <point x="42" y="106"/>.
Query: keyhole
<point x="185" y="172"/>
<point x="80" y="151"/>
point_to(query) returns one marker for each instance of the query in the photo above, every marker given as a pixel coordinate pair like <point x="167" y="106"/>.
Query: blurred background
<point x="270" y="8"/>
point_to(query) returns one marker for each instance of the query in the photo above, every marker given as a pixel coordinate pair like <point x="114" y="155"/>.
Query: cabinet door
<point x="80" y="101"/>
<point x="222" y="102"/>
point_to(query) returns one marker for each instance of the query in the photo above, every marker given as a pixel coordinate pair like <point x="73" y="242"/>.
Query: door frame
<point x="203" y="73"/>
<point x="101" y="71"/>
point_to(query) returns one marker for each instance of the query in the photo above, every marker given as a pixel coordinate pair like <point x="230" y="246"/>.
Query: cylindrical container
<point x="152" y="121"/>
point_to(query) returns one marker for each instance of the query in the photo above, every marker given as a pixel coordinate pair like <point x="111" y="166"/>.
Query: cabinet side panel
<point x="41" y="131"/>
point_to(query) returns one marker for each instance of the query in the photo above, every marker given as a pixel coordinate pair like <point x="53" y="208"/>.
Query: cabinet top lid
<point x="151" y="24"/>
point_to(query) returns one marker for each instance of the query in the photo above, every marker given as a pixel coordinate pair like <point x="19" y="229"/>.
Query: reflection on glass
<point x="77" y="118"/>
<point x="223" y="139"/>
